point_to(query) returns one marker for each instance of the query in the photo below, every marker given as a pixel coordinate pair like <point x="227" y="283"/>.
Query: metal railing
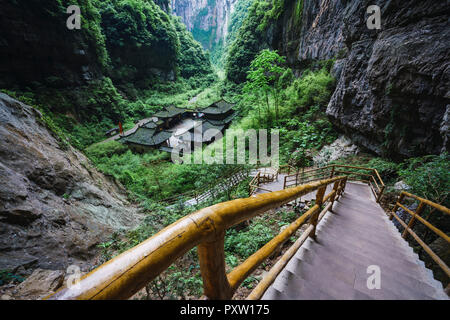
<point x="416" y="216"/>
<point x="126" y="274"/>
<point x="365" y="175"/>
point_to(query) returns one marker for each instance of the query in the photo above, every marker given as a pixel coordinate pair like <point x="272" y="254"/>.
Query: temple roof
<point x="147" y="137"/>
<point x="219" y="107"/>
<point x="223" y="122"/>
<point x="170" y="112"/>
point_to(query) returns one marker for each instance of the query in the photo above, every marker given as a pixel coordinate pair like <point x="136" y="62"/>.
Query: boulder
<point x="401" y="186"/>
<point x="55" y="207"/>
<point x="40" y="284"/>
<point x="341" y="148"/>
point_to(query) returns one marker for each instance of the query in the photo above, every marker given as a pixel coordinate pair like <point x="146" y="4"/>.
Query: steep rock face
<point x="54" y="206"/>
<point x="36" y="46"/>
<point x="392" y="92"/>
<point x="142" y="50"/>
<point x="207" y="20"/>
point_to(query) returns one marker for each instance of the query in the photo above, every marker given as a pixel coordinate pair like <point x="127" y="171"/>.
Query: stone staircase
<point x="358" y="234"/>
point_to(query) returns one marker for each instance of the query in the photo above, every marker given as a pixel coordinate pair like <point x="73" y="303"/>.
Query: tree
<point x="264" y="77"/>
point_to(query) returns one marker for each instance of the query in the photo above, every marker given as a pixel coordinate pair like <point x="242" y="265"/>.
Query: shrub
<point x="429" y="177"/>
<point x="245" y="243"/>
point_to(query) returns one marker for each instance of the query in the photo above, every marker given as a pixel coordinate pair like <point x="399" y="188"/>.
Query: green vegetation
<point x="6" y="276"/>
<point x="427" y="176"/>
<point x="264" y="78"/>
<point x="152" y="176"/>
<point x="142" y="60"/>
<point x="297" y="105"/>
<point x="248" y="42"/>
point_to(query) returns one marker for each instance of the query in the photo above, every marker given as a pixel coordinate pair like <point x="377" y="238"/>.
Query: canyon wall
<point x="208" y="20"/>
<point x="392" y="94"/>
<point x="55" y="207"/>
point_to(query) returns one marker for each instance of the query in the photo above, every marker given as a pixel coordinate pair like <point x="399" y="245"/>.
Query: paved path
<point x="278" y="185"/>
<point x="358" y="234"/>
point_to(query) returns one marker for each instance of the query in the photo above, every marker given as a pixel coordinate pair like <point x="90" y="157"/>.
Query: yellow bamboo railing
<point x="126" y="274"/>
<point x="373" y="177"/>
<point x="415" y="216"/>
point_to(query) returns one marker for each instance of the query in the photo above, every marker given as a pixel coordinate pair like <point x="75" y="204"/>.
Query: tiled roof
<point x="169" y="112"/>
<point x="218" y="107"/>
<point x="147" y="137"/>
<point x="224" y="121"/>
<point x="150" y="125"/>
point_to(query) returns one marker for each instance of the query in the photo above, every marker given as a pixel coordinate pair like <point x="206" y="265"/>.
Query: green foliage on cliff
<point x="429" y="177"/>
<point x="248" y="43"/>
<point x="138" y="34"/>
<point x="192" y="60"/>
<point x="264" y="83"/>
<point x="250" y="38"/>
<point x="136" y="59"/>
<point x="297" y="105"/>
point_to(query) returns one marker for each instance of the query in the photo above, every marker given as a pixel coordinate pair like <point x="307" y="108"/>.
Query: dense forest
<point x="312" y="72"/>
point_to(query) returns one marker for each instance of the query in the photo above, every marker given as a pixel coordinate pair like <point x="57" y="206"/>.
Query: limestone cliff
<point x="208" y="20"/>
<point x="392" y="93"/>
<point x="55" y="208"/>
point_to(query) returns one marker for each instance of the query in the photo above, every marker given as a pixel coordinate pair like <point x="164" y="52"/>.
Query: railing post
<point x="332" y="172"/>
<point x="399" y="200"/>
<point x="413" y="219"/>
<point x="285" y="182"/>
<point x="343" y="184"/>
<point x="381" y="194"/>
<point x="335" y="195"/>
<point x="212" y="267"/>
<point x="315" y="216"/>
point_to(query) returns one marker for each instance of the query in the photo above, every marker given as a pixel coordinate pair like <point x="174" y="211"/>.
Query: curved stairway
<point x="356" y="235"/>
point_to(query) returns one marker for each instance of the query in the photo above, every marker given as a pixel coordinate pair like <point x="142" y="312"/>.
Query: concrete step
<point x="368" y="233"/>
<point x="368" y="229"/>
<point x="424" y="273"/>
<point x="391" y="279"/>
<point x="365" y="254"/>
<point x="274" y="294"/>
<point x="384" y="250"/>
<point x="356" y="235"/>
<point x="297" y="288"/>
<point x="336" y="287"/>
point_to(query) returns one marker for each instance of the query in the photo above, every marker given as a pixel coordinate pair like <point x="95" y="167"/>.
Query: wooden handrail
<point x="322" y="173"/>
<point x="126" y="274"/>
<point x="264" y="284"/>
<point x="415" y="216"/>
<point x="289" y="167"/>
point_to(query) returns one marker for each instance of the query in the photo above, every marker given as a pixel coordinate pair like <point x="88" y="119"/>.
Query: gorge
<point x="310" y="69"/>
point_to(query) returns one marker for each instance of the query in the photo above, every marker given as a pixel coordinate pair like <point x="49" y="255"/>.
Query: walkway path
<point x="358" y="234"/>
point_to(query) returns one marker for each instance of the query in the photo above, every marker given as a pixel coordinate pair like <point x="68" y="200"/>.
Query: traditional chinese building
<point x="148" y="137"/>
<point x="170" y="116"/>
<point x="173" y="126"/>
